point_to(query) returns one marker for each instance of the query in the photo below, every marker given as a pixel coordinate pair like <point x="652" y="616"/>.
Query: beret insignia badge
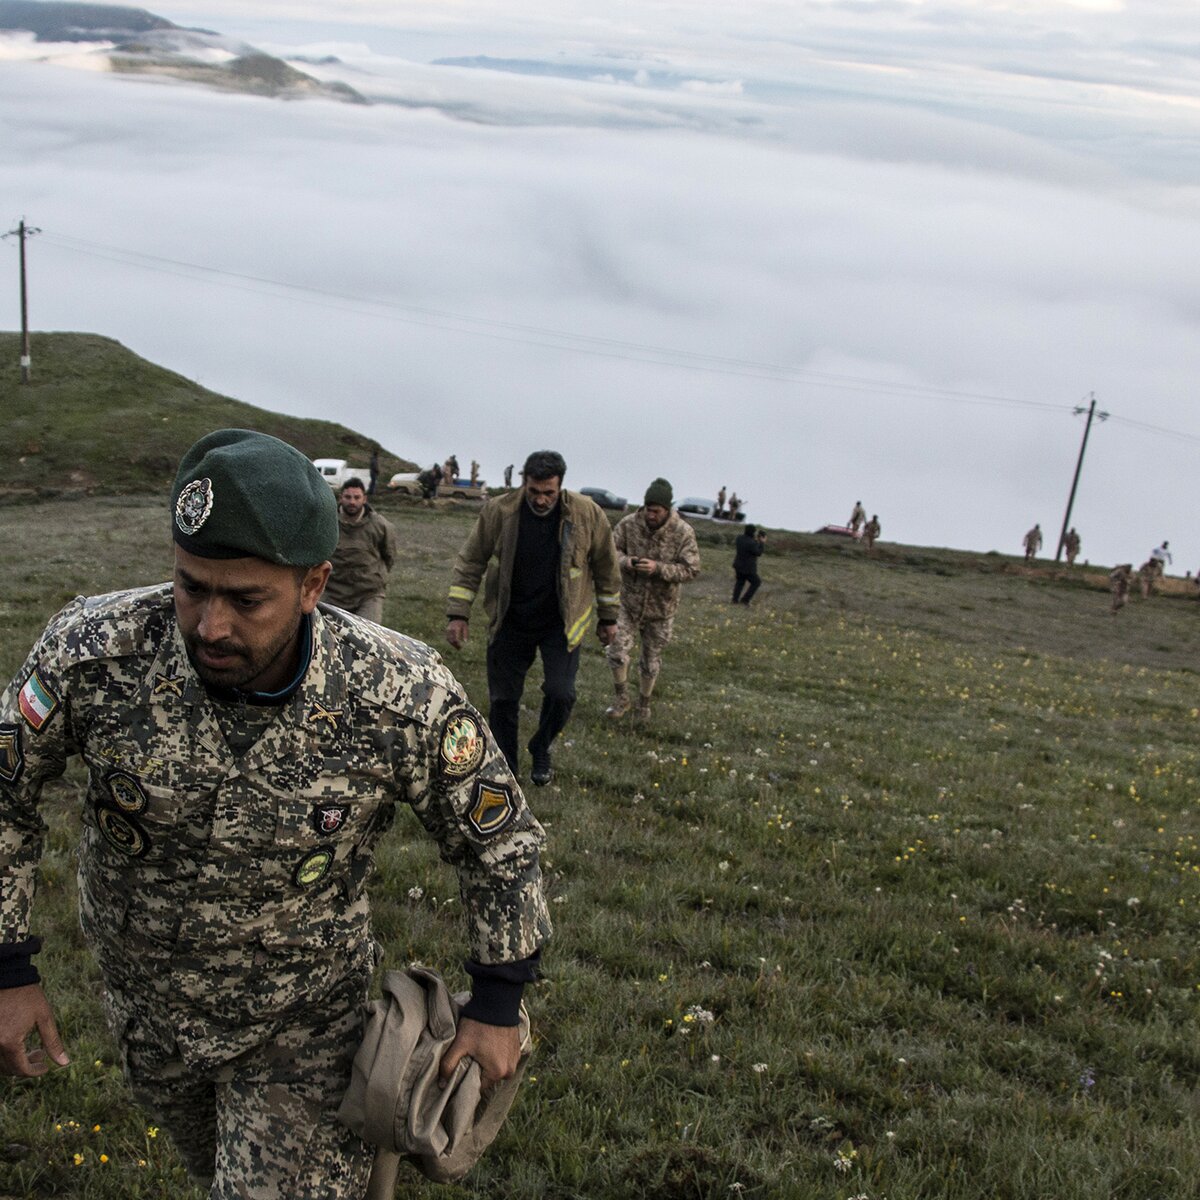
<point x="461" y="750"/>
<point x="194" y="505"/>
<point x="492" y="808"/>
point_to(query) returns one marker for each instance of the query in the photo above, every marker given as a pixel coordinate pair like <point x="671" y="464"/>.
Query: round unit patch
<point x="194" y="504"/>
<point x="126" y="792"/>
<point x="462" y="746"/>
<point x="312" y="868"/>
<point x="122" y="832"/>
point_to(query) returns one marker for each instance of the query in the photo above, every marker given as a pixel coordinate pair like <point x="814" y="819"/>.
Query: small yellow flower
<point x="152" y="1131"/>
<point x="104" y="1158"/>
<point x="78" y="1160"/>
<point x="95" y="1128"/>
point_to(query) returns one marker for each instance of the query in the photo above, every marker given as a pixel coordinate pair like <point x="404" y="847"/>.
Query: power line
<point x="566" y="340"/>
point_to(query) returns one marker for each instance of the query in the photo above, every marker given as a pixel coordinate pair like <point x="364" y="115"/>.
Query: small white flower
<point x="759" y="1068"/>
<point x="1132" y="902"/>
<point x="722" y="865"/>
<point x="415" y="893"/>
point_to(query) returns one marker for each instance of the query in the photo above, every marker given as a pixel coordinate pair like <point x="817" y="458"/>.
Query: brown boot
<point x="620" y="705"/>
<point x="643" y="708"/>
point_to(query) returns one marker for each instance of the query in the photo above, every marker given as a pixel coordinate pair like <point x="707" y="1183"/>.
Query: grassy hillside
<point x="97" y="417"/>
<point x="895" y="896"/>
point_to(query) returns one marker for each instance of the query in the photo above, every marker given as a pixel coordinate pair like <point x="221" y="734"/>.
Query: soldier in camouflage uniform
<point x="657" y="551"/>
<point x="857" y="516"/>
<point x="872" y="530"/>
<point x="245" y="748"/>
<point x="1032" y="542"/>
<point x="1119" y="579"/>
<point x="1071" y="545"/>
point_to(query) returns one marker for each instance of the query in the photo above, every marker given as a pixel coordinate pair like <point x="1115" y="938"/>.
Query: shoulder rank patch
<point x="492" y="807"/>
<point x="12" y="760"/>
<point x="194" y="505"/>
<point x="462" y="747"/>
<point x="125" y="791"/>
<point x="329" y="818"/>
<point x="37" y="702"/>
<point x="312" y="868"/>
<point x="122" y="832"/>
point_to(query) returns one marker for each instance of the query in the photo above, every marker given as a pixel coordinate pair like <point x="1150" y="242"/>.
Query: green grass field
<point x="896" y="895"/>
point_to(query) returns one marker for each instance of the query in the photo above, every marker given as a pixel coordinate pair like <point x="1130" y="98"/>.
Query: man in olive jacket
<point x="365" y="553"/>
<point x="551" y="564"/>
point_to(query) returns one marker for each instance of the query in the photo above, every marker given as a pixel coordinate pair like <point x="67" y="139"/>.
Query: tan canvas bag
<point x="394" y="1101"/>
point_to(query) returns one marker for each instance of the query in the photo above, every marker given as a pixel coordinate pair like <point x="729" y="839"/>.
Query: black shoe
<point x="542" y="771"/>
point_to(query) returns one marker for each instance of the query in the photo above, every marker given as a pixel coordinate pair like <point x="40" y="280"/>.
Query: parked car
<point x="605" y="498"/>
<point x="840" y="531"/>
<point x="335" y="471"/>
<point x="697" y="508"/>
<point x="405" y="482"/>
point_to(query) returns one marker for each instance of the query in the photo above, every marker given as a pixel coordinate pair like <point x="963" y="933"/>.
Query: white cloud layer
<point x="897" y="211"/>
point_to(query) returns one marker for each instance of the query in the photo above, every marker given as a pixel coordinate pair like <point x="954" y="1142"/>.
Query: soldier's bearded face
<point x="655" y="515"/>
<point x="240" y="617"/>
<point x="542" y="494"/>
<point x="352" y="501"/>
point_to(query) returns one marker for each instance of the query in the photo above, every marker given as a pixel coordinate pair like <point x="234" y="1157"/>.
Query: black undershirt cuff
<point x="16" y="966"/>
<point x="496" y="989"/>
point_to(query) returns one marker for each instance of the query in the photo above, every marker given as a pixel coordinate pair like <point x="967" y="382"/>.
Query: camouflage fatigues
<point x="871" y="531"/>
<point x="1032" y="542"/>
<point x="223" y="889"/>
<point x="649" y="602"/>
<point x="1071" y="544"/>
<point x="1118" y="581"/>
<point x="1149" y="573"/>
<point x="365" y="553"/>
<point x="857" y="517"/>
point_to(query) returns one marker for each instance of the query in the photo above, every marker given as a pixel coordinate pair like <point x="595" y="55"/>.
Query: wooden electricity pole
<point x="22" y="232"/>
<point x="1091" y="412"/>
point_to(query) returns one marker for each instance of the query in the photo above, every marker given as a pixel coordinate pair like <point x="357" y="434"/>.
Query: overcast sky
<point x="815" y="252"/>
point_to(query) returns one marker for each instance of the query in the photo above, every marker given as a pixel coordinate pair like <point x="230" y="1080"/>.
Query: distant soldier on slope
<point x="1071" y="544"/>
<point x="1033" y="542"/>
<point x="871" y="531"/>
<point x="857" y="517"/>
<point x="1119" y="579"/>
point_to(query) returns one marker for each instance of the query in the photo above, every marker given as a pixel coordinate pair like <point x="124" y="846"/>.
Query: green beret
<point x="659" y="492"/>
<point x="241" y="494"/>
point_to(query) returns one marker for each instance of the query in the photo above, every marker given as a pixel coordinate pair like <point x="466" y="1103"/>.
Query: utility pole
<point x="22" y="232"/>
<point x="1091" y="412"/>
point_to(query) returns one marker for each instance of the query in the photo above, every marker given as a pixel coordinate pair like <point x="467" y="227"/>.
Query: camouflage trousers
<point x="655" y="636"/>
<point x="265" y="1125"/>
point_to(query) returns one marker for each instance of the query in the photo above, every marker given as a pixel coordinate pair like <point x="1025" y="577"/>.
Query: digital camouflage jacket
<point x="655" y="597"/>
<point x="223" y="891"/>
<point x="588" y="568"/>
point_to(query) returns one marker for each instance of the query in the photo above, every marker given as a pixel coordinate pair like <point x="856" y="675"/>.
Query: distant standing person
<point x="1149" y="574"/>
<point x="1162" y="556"/>
<point x="508" y="475"/>
<point x="365" y="553"/>
<point x="657" y="551"/>
<point x="551" y="564"/>
<point x="1119" y="579"/>
<point x="871" y="531"/>
<point x="720" y="502"/>
<point x="1071" y="544"/>
<point x="735" y="506"/>
<point x="474" y="473"/>
<point x="747" y="551"/>
<point x="1033" y="542"/>
<point x="857" y="516"/>
<point x="373" y="471"/>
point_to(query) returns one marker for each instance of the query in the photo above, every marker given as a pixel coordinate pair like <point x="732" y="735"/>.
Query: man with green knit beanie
<point x="657" y="551"/>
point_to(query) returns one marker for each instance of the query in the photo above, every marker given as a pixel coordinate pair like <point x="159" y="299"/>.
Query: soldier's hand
<point x="496" y="1048"/>
<point x="607" y="634"/>
<point x="23" y="1010"/>
<point x="645" y="566"/>
<point x="457" y="632"/>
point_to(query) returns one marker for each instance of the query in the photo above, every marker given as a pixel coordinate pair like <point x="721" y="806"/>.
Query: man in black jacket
<point x="749" y="546"/>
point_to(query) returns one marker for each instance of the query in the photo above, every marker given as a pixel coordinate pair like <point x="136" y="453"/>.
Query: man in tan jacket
<point x="551" y="565"/>
<point x="365" y="553"/>
<point x="657" y="551"/>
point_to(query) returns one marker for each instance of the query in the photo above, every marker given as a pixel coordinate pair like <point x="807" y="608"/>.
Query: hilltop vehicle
<point x="840" y="531"/>
<point x="335" y="471"/>
<point x="605" y="498"/>
<point x="461" y="489"/>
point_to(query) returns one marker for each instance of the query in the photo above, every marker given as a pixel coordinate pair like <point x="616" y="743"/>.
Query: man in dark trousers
<point x="748" y="549"/>
<point x="551" y="564"/>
